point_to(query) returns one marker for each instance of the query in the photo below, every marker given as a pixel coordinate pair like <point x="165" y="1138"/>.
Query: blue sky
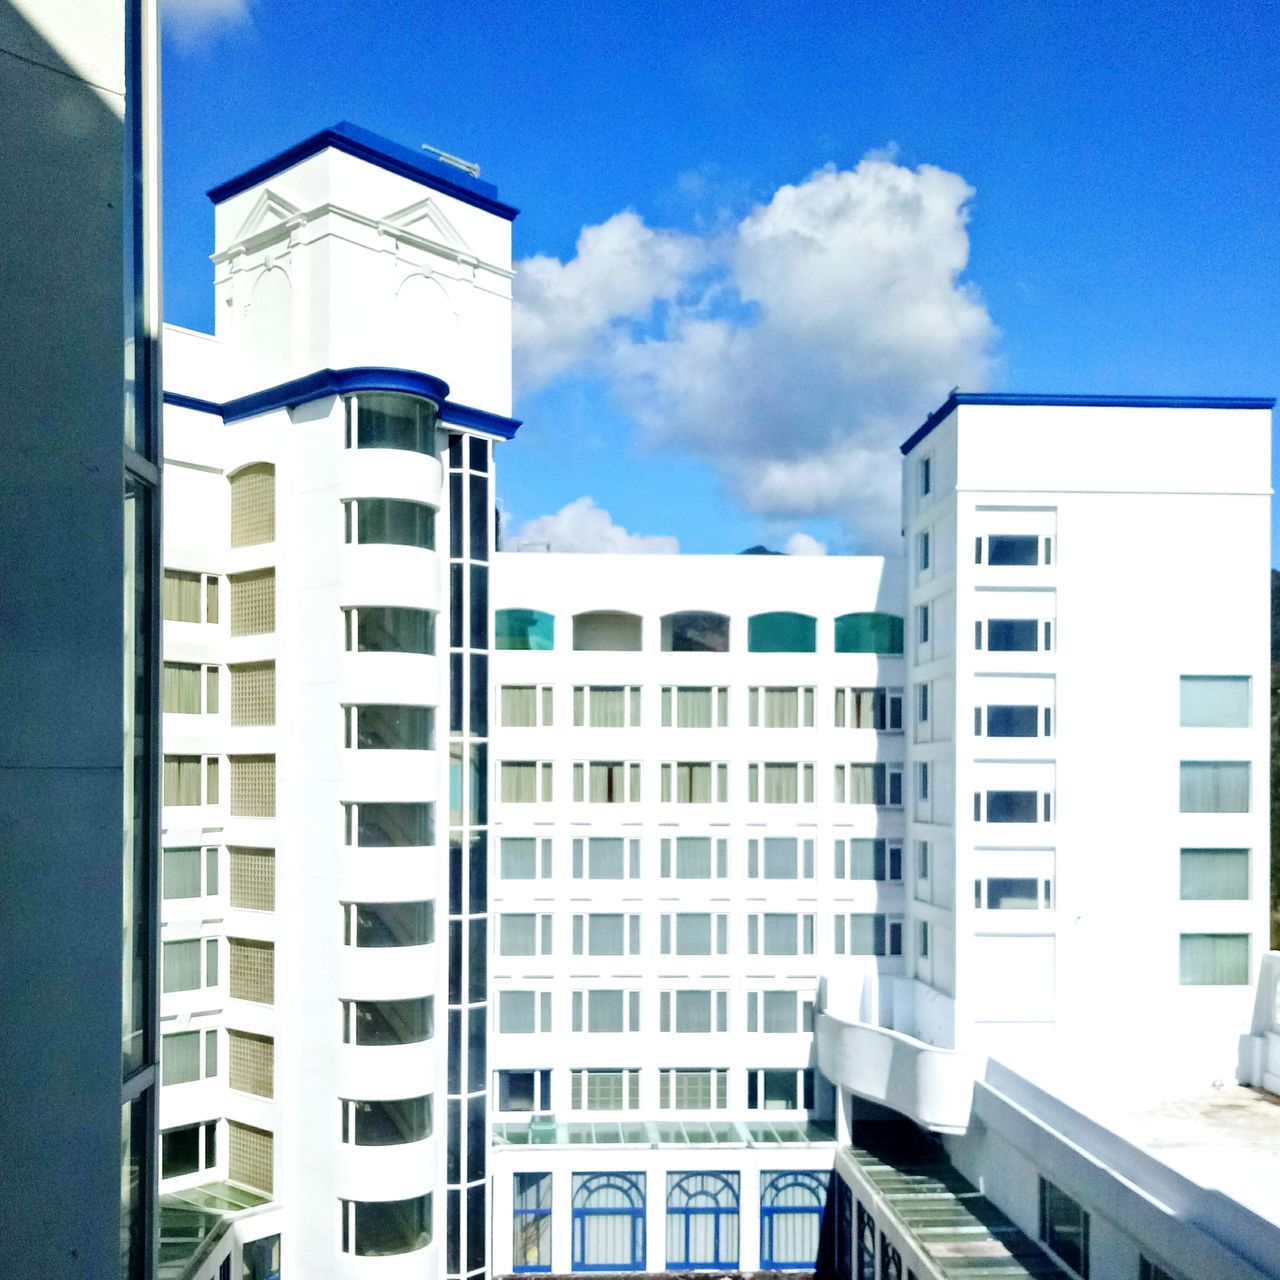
<point x="1120" y="235"/>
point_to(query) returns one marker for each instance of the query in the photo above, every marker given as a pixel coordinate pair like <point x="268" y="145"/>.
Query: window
<point x="524" y="1012"/>
<point x="525" y="781"/>
<point x="693" y="1089"/>
<point x="388" y="1022"/>
<point x="253" y="878"/>
<point x="1215" y="875"/>
<point x="1012" y="635"/>
<point x="922" y="939"/>
<point x="608" y="1221"/>
<point x="606" y="1011"/>
<point x="778" y="1012"/>
<point x="606" y="781"/>
<point x="876" y="784"/>
<point x="524" y="629"/>
<point x="922" y="624"/>
<point x="189" y="873"/>
<point x="695" y="707"/>
<point x="866" y="1244"/>
<point x="384" y="420"/>
<point x="253" y="970"/>
<point x="922" y="550"/>
<point x="390" y="1123"/>
<point x="1215" y="702"/>
<point x="251" y="1063"/>
<point x="782" y="858"/>
<point x="390" y="522"/>
<point x="181" y="1054"/>
<point x="695" y="933"/>
<point x="190" y="597"/>
<point x="1214" y="959"/>
<point x="782" y="633"/>
<point x="524" y="1090"/>
<point x="780" y="934"/>
<point x="1214" y="786"/>
<point x="1010" y="893"/>
<point x="260" y="1258"/>
<point x="1010" y="806"/>
<point x="183" y="776"/>
<point x="1064" y="1227"/>
<point x="606" y="934"/>
<point x="868" y="859"/>
<point x="253" y="786"/>
<point x="388" y="924"/>
<point x="531" y="1223"/>
<point x="604" y="1090"/>
<point x="606" y="858"/>
<point x="381" y="1228"/>
<point x="867" y="934"/>
<point x="253" y="602"/>
<point x="390" y="629"/>
<point x="518" y="858"/>
<point x="390" y="826"/>
<point x="702" y="1220"/>
<point x="877" y="708"/>
<point x="922" y="703"/>
<point x="526" y="706"/>
<point x="780" y="708"/>
<point x="792" y="1202"/>
<point x="693" y="858"/>
<point x="189" y="689"/>
<point x="386" y="727"/>
<point x="1005" y="549"/>
<point x="869" y="633"/>
<point x="694" y="632"/>
<point x="253" y="693"/>
<point x="524" y="934"/>
<point x="1012" y="722"/>
<point x="250" y="1156"/>
<point x="253" y="505"/>
<point x="783" y="783"/>
<point x="925" y="471"/>
<point x="189" y="1150"/>
<point x="700" y="1012"/>
<point x="182" y="964"/>
<point x="615" y="632"/>
<point x="606" y="706"/>
<point x="690" y="782"/>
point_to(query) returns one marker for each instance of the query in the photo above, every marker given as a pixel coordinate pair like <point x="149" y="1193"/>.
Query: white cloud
<point x="191" y="21"/>
<point x="795" y="351"/>
<point x="582" y="526"/>
<point x="801" y="544"/>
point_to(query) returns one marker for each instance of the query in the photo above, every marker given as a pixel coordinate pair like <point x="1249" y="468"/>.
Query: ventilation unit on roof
<point x="466" y="166"/>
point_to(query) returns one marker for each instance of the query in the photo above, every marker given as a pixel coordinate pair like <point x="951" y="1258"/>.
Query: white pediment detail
<point x="269" y="210"/>
<point x="425" y="220"/>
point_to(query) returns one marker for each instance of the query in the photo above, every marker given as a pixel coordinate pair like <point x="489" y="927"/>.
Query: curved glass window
<point x="390" y="629"/>
<point x="380" y="1228"/>
<point x="702" y="1220"/>
<point x="869" y="633"/>
<point x="253" y="505"/>
<point x="384" y="420"/>
<point x="694" y="632"/>
<point x="389" y="924"/>
<point x="386" y="1022"/>
<point x="782" y="633"/>
<point x="791" y="1207"/>
<point x="383" y="826"/>
<point x="608" y="1222"/>
<point x="524" y="629"/>
<point x="619" y="632"/>
<point x="386" y="727"/>
<point x="390" y="522"/>
<point x="386" y="1124"/>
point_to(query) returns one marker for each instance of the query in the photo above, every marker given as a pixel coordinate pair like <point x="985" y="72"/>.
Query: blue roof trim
<point x="339" y="382"/>
<point x="1101" y="402"/>
<point x="419" y="166"/>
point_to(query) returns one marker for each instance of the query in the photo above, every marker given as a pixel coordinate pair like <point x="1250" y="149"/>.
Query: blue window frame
<point x="531" y="1223"/>
<point x="608" y="1222"/>
<point x="702" y="1221"/>
<point x="792" y="1202"/>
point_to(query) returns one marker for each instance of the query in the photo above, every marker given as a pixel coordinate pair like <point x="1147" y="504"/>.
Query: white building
<point x="584" y="918"/>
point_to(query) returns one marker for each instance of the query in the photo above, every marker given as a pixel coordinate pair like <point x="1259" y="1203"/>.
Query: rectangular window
<point x="253" y="602"/>
<point x="694" y="858"/>
<point x="524" y="934"/>
<point x="926" y="476"/>
<point x="694" y="934"/>
<point x="253" y="786"/>
<point x="1214" y="959"/>
<point x="524" y="1090"/>
<point x="922" y="550"/>
<point x="922" y="615"/>
<point x="181" y="965"/>
<point x="1011" y="806"/>
<point x="518" y="781"/>
<point x="876" y="784"/>
<point x="606" y="781"/>
<point x="253" y="693"/>
<point x="1009" y="893"/>
<point x="785" y="858"/>
<point x="1015" y="550"/>
<point x="867" y="934"/>
<point x="1064" y="1227"/>
<point x="1215" y="702"/>
<point x="182" y="688"/>
<point x="608" y="1090"/>
<point x="780" y="934"/>
<point x="519" y="704"/>
<point x="1214" y="786"/>
<point x="606" y="706"/>
<point x="518" y="1013"/>
<point x="876" y="708"/>
<point x="1215" y="875"/>
<point x="253" y="878"/>
<point x="1012" y="722"/>
<point x="1012" y="635"/>
<point x="783" y="1089"/>
<point x="531" y="1222"/>
<point x="253" y="970"/>
<point x="697" y="1089"/>
<point x="696" y="1012"/>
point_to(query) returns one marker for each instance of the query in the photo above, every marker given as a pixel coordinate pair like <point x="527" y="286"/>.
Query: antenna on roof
<point x="458" y="163"/>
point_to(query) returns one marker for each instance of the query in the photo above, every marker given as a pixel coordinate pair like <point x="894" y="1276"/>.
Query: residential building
<point x="79" y="322"/>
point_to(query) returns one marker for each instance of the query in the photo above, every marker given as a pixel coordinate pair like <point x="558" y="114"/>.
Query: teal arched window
<point x="782" y="633"/>
<point x="525" y="629"/>
<point x="869" y="633"/>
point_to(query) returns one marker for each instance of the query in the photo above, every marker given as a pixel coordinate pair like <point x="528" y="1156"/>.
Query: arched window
<point x="525" y="629"/>
<point x="782" y="633"/>
<point x="694" y="632"/>
<point x="608" y="1222"/>
<point x="253" y="505"/>
<point x="619" y="632"/>
<point x="702" y="1220"/>
<point x="791" y="1206"/>
<point x="869" y="633"/>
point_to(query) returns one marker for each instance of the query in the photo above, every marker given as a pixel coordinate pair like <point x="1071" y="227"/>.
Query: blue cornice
<point x="340" y="382"/>
<point x="419" y="166"/>
<point x="957" y="398"/>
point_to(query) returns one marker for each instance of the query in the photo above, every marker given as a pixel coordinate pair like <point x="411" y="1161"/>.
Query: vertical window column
<point x="470" y="538"/>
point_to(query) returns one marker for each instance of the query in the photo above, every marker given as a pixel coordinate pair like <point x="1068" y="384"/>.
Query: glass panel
<point x="392" y="1123"/>
<point x="253" y="505"/>
<point x="1011" y="806"/>
<point x="394" y="924"/>
<point x="181" y="875"/>
<point x="1005" y="893"/>
<point x="1214" y="786"/>
<point x="607" y="708"/>
<point x="693" y="858"/>
<point x="180" y="1058"/>
<point x="1012" y="722"/>
<point x="695" y="632"/>
<point x="779" y="1012"/>
<point x="782" y="633"/>
<point x="517" y="935"/>
<point x="869" y="633"/>
<point x="519" y="858"/>
<point x="605" y="1011"/>
<point x="395" y="522"/>
<point x="1214" y="959"/>
<point x="519" y="706"/>
<point x="1215" y="702"/>
<point x="479" y="516"/>
<point x="1215" y="874"/>
<point x="384" y="1022"/>
<point x="693" y="1011"/>
<point x="396" y="825"/>
<point x="605" y="859"/>
<point x="617" y="632"/>
<point x="781" y="935"/>
<point x="388" y="421"/>
<point x="693" y="935"/>
<point x="606" y="935"/>
<point x="398" y="728"/>
<point x="524" y="629"/>
<point x="1012" y="635"/>
<point x="181" y="689"/>
<point x="390" y="629"/>
<point x="780" y="859"/>
<point x="517" y="1012"/>
<point x="180" y="1152"/>
<point x="386" y="1227"/>
<point x="181" y="965"/>
<point x="1005" y="549"/>
<point x="134" y="1173"/>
